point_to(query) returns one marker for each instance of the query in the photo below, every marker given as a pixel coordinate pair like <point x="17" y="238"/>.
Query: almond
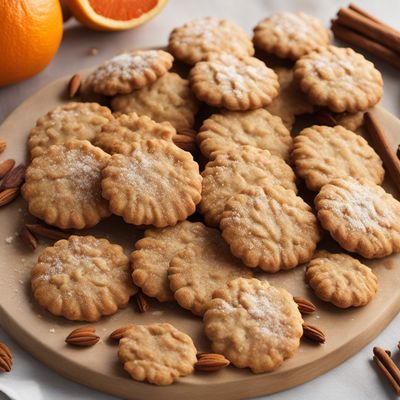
<point x="47" y="232"/>
<point x="28" y="238"/>
<point x="305" y="306"/>
<point x="74" y="85"/>
<point x="210" y="362"/>
<point x="142" y="302"/>
<point x="3" y="145"/>
<point x="6" y="359"/>
<point x="313" y="333"/>
<point x="119" y="333"/>
<point x="5" y="167"/>
<point x="15" y="178"/>
<point x="85" y="336"/>
<point x="8" y="195"/>
<point x="187" y="143"/>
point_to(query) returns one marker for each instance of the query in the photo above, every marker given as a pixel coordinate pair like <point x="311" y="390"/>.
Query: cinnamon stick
<point x="364" y="13"/>
<point x="383" y="147"/>
<point x="380" y="33"/>
<point x="388" y="368"/>
<point x="356" y="39"/>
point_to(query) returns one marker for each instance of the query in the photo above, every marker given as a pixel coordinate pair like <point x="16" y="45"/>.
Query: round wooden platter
<point x="43" y="335"/>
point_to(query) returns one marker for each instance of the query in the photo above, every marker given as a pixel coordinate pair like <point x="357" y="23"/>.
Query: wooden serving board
<point x="43" y="335"/>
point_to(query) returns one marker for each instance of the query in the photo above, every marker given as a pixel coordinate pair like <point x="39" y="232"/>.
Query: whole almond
<point x="74" y="85"/>
<point x="5" y="167"/>
<point x="8" y="195"/>
<point x="305" y="306"/>
<point x="84" y="337"/>
<point x="15" y="178"/>
<point x="3" y="145"/>
<point x="28" y="238"/>
<point x="210" y="362"/>
<point x="185" y="142"/>
<point x="47" y="232"/>
<point x="142" y="303"/>
<point x="119" y="333"/>
<point x="6" y="359"/>
<point x="313" y="333"/>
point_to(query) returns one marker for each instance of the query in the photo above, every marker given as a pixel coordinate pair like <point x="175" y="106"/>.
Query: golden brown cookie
<point x="291" y="101"/>
<point x="194" y="41"/>
<point x="258" y="128"/>
<point x="80" y="121"/>
<point x="232" y="171"/>
<point x="235" y="83"/>
<point x="270" y="227"/>
<point x="290" y="35"/>
<point x="202" y="267"/>
<point x="62" y="186"/>
<point x="126" y="129"/>
<point x="340" y="79"/>
<point x="169" y="98"/>
<point x="157" y="184"/>
<point x="82" y="278"/>
<point x="322" y="153"/>
<point x="253" y="324"/>
<point x="157" y="353"/>
<point x="341" y="280"/>
<point x="128" y="71"/>
<point x="152" y="255"/>
<point x="361" y="217"/>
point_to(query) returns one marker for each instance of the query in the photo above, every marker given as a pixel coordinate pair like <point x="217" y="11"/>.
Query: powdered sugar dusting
<point x="356" y="205"/>
<point x="126" y="65"/>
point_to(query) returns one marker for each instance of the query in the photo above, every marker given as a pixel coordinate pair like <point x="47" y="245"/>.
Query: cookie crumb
<point x="93" y="51"/>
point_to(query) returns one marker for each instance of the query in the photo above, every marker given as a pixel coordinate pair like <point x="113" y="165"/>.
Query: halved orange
<point x="114" y="15"/>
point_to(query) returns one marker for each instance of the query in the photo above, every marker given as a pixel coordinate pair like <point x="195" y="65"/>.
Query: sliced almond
<point x="84" y="337"/>
<point x="15" y="178"/>
<point x="210" y="362"/>
<point x="74" y="85"/>
<point x="47" y="232"/>
<point x="119" y="333"/>
<point x="8" y="195"/>
<point x="28" y="238"/>
<point x="5" y="167"/>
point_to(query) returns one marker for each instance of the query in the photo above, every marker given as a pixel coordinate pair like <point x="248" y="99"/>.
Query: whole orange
<point x="31" y="31"/>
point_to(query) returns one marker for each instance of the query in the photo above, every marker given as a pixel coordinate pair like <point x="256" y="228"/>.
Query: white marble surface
<point x="354" y="379"/>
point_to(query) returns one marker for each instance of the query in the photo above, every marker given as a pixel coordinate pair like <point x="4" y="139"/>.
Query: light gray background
<point x="357" y="377"/>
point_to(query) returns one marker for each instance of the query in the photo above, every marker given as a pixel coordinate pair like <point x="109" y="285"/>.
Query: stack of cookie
<point x="88" y="162"/>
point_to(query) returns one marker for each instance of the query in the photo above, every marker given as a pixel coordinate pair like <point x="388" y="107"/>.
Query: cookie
<point x="232" y="171"/>
<point x="341" y="280"/>
<point x="291" y="101"/>
<point x="80" y="121"/>
<point x="195" y="40"/>
<point x="270" y="227"/>
<point x="340" y="79"/>
<point x="235" y="83"/>
<point x="350" y="121"/>
<point x="152" y="255"/>
<point x="62" y="186"/>
<point x="200" y="268"/>
<point x="82" y="278"/>
<point x="157" y="184"/>
<point x="169" y="98"/>
<point x="126" y="129"/>
<point x="290" y="35"/>
<point x="322" y="153"/>
<point x="253" y="324"/>
<point x="157" y="353"/>
<point x="360" y="216"/>
<point x="258" y="128"/>
<point x="128" y="71"/>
